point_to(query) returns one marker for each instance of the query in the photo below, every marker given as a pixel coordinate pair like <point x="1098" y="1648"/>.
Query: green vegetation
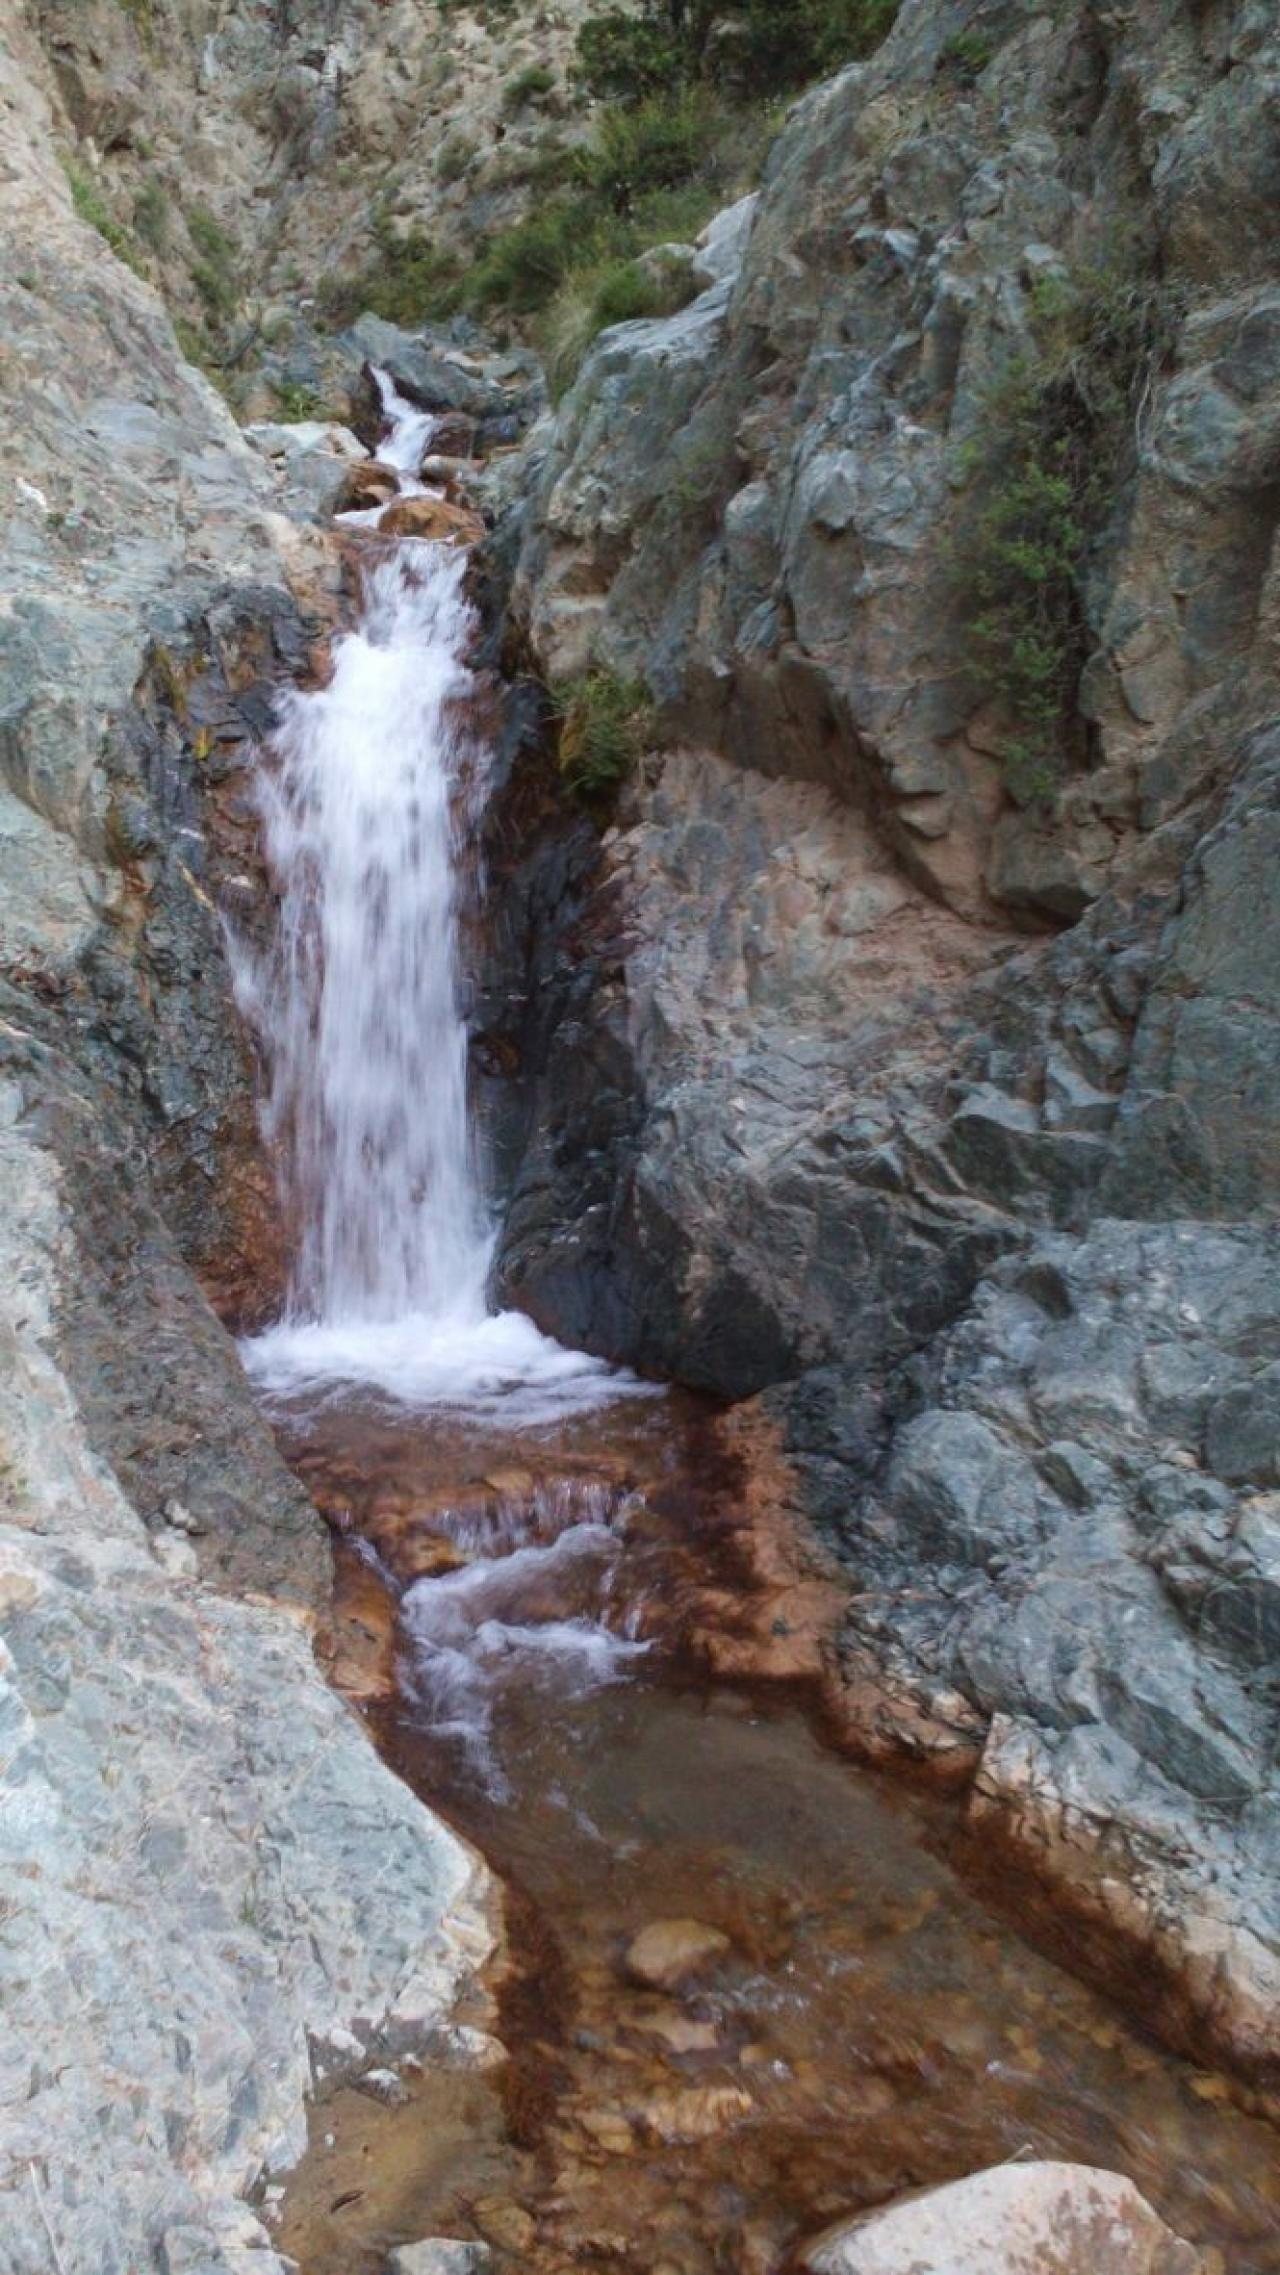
<point x="606" y="725"/>
<point x="684" y="91"/>
<point x="92" y="207"/>
<point x="298" y="402"/>
<point x="409" y="281"/>
<point x="744" y="48"/>
<point x="454" y="156"/>
<point x="1055" y="441"/>
<point x="214" y="270"/>
<point x="528" y="86"/>
<point x="966" y="56"/>
<point x="151" y="215"/>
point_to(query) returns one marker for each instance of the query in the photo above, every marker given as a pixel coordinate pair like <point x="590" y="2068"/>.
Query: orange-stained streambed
<point x="523" y="1619"/>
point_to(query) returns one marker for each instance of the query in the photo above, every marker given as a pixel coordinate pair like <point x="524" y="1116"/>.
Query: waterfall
<point x="370" y="790"/>
<point x="365" y="810"/>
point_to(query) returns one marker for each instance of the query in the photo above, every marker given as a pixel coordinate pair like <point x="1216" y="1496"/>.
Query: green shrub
<point x="751" y="48"/>
<point x="966" y="56"/>
<point x="617" y="292"/>
<point x="453" y="157"/>
<point x="606" y="724"/>
<point x="1054" y="444"/>
<point x="624" y="59"/>
<point x="409" y="281"/>
<point x="92" y="207"/>
<point x="298" y="401"/>
<point x="528" y="87"/>
<point x="151" y="215"/>
<point x="660" y="142"/>
<point x="214" y="270"/>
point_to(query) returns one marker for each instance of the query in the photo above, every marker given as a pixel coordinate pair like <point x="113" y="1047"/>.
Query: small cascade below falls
<point x="370" y="790"/>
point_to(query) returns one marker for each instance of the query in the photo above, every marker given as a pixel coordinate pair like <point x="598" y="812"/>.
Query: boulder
<point x="439" y="2255"/>
<point x="667" y="1954"/>
<point x="434" y="519"/>
<point x="1017" y="2219"/>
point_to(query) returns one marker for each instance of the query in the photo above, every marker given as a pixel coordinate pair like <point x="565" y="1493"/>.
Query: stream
<point x="745" y="1992"/>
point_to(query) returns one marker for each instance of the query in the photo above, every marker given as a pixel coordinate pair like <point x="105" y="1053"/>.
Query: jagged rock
<point x="1063" y="2219"/>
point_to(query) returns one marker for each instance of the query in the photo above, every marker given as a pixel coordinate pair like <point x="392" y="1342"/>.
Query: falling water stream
<point x="535" y="1552"/>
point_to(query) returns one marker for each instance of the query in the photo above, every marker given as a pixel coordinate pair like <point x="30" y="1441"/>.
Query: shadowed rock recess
<point x="853" y="1070"/>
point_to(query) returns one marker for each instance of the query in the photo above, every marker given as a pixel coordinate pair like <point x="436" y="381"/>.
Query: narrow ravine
<point x="746" y="1992"/>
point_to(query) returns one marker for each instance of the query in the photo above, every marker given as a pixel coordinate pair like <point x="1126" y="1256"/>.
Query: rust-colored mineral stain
<point x="852" y="2023"/>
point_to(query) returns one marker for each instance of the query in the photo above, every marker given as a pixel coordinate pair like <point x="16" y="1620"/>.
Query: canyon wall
<point x="938" y="1109"/>
<point x="213" y="1892"/>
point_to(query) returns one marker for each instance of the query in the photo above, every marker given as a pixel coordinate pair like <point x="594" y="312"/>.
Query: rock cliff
<point x="937" y="1105"/>
<point x="212" y="1890"/>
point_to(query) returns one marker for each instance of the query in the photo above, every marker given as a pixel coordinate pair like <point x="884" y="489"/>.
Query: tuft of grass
<point x="528" y="86"/>
<point x="151" y="214"/>
<point x="1054" y="444"/>
<point x="618" y="292"/>
<point x="966" y="56"/>
<point x="214" y="272"/>
<point x="92" y="207"/>
<point x="606" y="725"/>
<point x="298" y="402"/>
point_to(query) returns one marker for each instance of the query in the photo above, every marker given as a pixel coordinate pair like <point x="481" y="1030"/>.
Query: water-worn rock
<point x="439" y="2255"/>
<point x="667" y="1954"/>
<point x="1060" y="2219"/>
<point x="213" y="1891"/>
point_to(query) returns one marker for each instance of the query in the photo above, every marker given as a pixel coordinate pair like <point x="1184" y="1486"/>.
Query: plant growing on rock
<point x="1055" y="439"/>
<point x="606" y="725"/>
<point x="745" y="48"/>
<point x="92" y="207"/>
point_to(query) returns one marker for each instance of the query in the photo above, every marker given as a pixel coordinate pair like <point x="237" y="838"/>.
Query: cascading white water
<point x="364" y="810"/>
<point x="369" y="789"/>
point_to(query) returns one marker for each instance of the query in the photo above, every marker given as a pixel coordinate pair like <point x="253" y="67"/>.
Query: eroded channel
<point x="838" y="2020"/>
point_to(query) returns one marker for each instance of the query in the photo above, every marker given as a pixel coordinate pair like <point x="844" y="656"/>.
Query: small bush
<point x="409" y="281"/>
<point x="606" y="724"/>
<point x="1053" y="447"/>
<point x="298" y="402"/>
<point x="453" y="157"/>
<point x="743" y="48"/>
<point x="151" y="215"/>
<point x="92" y="207"/>
<point x="966" y="56"/>
<point x="655" y="145"/>
<point x="528" y="86"/>
<point x="624" y="59"/>
<point x="214" y="270"/>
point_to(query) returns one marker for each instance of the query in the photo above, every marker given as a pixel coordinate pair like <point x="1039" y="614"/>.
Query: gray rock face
<point x="213" y="1892"/>
<point x="951" y="1119"/>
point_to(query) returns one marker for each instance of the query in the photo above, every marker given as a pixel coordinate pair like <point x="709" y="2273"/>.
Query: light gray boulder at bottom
<point x="440" y="2255"/>
<point x="1016" y="2219"/>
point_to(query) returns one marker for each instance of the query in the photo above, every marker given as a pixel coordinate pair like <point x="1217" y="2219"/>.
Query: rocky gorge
<point x="829" y="1066"/>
